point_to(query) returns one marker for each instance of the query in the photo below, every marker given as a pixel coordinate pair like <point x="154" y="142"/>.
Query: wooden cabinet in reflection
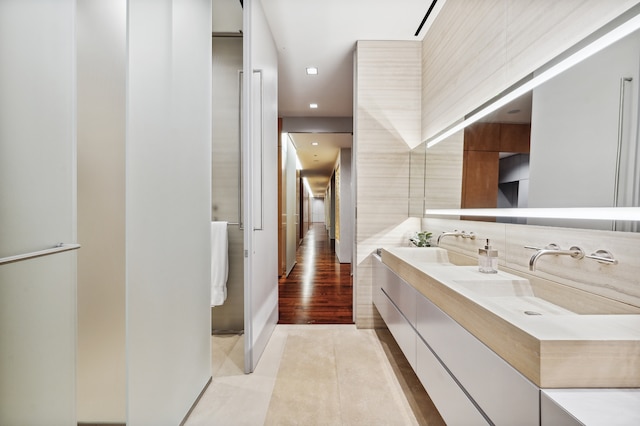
<point x="484" y="144"/>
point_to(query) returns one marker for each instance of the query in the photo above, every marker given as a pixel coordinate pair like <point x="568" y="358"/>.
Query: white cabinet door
<point x="37" y="211"/>
<point x="260" y="163"/>
<point x="505" y="395"/>
<point x="452" y="403"/>
<point x="385" y="281"/>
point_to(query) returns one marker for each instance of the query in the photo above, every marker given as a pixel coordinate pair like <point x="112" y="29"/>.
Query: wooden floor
<point x="319" y="289"/>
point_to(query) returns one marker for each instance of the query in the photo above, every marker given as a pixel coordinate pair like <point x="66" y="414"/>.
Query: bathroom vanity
<point x="488" y="350"/>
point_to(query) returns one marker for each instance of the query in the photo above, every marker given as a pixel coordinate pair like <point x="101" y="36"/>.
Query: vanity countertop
<point x="550" y="345"/>
<point x="611" y="407"/>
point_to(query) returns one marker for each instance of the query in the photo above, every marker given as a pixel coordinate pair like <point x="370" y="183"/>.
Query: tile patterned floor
<point x="314" y="375"/>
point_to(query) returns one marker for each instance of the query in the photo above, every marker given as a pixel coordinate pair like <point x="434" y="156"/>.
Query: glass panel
<point x="37" y="211"/>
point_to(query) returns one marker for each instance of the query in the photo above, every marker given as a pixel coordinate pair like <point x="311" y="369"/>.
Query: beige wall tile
<point x="478" y="48"/>
<point x="615" y="282"/>
<point x="388" y="95"/>
<point x="552" y="27"/>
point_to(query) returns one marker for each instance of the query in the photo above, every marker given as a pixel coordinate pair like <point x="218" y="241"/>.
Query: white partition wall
<point x="291" y="203"/>
<point x="168" y="196"/>
<point x="260" y="143"/>
<point x="144" y="123"/>
<point x="344" y="241"/>
<point x="37" y="211"/>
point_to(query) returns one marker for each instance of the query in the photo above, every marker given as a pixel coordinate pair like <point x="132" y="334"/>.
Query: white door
<point x="37" y="212"/>
<point x="260" y="150"/>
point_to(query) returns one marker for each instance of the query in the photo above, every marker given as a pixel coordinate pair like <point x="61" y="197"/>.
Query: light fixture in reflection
<point x="606" y="40"/>
<point x="591" y="213"/>
<point x="313" y="106"/>
<point x="312" y="71"/>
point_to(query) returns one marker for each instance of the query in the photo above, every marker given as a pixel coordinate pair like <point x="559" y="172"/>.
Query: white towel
<point x="219" y="262"/>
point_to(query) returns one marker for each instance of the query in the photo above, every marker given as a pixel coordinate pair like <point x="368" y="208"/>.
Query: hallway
<point x="319" y="289"/>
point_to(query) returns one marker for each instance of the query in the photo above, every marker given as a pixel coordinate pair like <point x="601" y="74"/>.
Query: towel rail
<point x="58" y="248"/>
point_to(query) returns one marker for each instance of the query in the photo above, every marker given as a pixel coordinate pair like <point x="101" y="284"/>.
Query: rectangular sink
<point x="514" y="296"/>
<point x="497" y="288"/>
<point x="525" y="324"/>
<point x="419" y="254"/>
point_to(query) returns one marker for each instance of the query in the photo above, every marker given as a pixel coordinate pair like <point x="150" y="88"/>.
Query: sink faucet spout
<point x="553" y="249"/>
<point x="455" y="233"/>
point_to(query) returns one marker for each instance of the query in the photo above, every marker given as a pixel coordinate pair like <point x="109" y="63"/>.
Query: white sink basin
<point x="497" y="288"/>
<point x="420" y="254"/>
<point x="515" y="296"/>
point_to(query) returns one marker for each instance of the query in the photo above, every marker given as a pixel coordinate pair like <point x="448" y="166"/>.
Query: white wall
<point x="344" y="244"/>
<point x="168" y="178"/>
<point x="37" y="211"/>
<point x="317" y="210"/>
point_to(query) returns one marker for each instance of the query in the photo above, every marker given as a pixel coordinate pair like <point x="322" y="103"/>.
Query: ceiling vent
<point x="426" y="16"/>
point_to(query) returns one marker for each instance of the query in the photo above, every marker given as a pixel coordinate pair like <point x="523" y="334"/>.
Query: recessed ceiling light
<point x="312" y="70"/>
<point x="314" y="143"/>
<point x="313" y="106"/>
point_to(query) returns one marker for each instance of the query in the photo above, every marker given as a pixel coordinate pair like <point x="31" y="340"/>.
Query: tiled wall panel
<point x="477" y="48"/>
<point x="619" y="282"/>
<point x="387" y="117"/>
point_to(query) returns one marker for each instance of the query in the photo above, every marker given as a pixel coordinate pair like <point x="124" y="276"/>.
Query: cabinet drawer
<point x="505" y="396"/>
<point x="401" y="293"/>
<point x="379" y="276"/>
<point x="403" y="333"/>
<point x="452" y="403"/>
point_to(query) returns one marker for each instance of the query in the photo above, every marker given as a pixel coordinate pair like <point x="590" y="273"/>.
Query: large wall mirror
<point x="571" y="141"/>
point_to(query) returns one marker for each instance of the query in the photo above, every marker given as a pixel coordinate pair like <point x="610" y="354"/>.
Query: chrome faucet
<point x="575" y="252"/>
<point x="455" y="233"/>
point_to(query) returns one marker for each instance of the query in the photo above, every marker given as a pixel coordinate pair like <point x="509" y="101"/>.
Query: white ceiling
<point x="317" y="161"/>
<point x="323" y="33"/>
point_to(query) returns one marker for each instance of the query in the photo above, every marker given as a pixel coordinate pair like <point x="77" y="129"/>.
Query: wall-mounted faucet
<point x="575" y="252"/>
<point x="456" y="233"/>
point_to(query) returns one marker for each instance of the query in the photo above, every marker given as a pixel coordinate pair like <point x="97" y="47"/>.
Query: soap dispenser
<point x="488" y="259"/>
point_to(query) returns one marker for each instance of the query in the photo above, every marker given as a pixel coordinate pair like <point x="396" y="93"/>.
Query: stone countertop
<point x="553" y="349"/>
<point x="611" y="407"/>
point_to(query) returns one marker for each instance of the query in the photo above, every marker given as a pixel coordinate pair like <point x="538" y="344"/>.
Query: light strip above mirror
<point x="597" y="213"/>
<point x="607" y="39"/>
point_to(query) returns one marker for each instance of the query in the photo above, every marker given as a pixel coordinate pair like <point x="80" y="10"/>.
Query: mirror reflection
<point x="570" y="142"/>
